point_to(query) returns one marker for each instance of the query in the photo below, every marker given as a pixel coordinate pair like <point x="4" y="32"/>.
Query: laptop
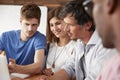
<point x="4" y="72"/>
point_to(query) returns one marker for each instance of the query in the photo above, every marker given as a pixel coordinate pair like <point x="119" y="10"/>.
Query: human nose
<point x="29" y="28"/>
<point x="55" y="28"/>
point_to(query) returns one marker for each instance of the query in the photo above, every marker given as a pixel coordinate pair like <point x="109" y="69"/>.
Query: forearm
<point x="35" y="67"/>
<point x="28" y="69"/>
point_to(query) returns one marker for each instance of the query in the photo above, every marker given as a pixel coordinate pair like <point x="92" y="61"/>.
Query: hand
<point x="12" y="66"/>
<point x="12" y="61"/>
<point x="48" y="72"/>
<point x="43" y="77"/>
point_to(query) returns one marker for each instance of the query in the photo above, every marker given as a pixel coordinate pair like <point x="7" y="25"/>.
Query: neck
<point x="87" y="37"/>
<point x="63" y="41"/>
<point x="22" y="37"/>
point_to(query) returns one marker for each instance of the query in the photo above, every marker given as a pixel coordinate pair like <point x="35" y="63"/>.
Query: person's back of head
<point x="78" y="11"/>
<point x="30" y="10"/>
<point x="107" y="19"/>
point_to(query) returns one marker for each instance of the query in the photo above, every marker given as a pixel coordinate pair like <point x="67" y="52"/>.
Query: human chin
<point x="72" y="37"/>
<point x="29" y="35"/>
<point x="108" y="44"/>
<point x="56" y="34"/>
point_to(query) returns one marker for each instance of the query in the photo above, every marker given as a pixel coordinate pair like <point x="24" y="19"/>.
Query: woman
<point x="60" y="47"/>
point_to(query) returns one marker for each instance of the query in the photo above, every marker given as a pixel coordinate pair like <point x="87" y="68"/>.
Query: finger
<point x="11" y="61"/>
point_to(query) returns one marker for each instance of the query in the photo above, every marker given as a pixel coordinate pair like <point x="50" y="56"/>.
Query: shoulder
<point x="111" y="71"/>
<point x="114" y="62"/>
<point x="39" y="34"/>
<point x="71" y="44"/>
<point x="9" y="33"/>
<point x="102" y="50"/>
<point x="52" y="45"/>
<point x="103" y="54"/>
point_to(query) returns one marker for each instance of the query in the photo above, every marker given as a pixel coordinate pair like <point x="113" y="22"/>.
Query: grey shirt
<point x="88" y="59"/>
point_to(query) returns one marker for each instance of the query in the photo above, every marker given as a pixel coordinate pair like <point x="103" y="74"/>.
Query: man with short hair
<point x="107" y="18"/>
<point x="89" y="54"/>
<point x="25" y="48"/>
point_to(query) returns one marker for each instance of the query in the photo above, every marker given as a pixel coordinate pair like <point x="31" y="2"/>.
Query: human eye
<point x="51" y="25"/>
<point x="58" y="23"/>
<point x="34" y="25"/>
<point x="26" y="24"/>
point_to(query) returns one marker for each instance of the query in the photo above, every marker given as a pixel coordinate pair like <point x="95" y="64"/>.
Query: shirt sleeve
<point x="40" y="42"/>
<point x="2" y="41"/>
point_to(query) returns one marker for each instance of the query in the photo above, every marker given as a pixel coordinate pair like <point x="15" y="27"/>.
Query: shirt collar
<point x="94" y="38"/>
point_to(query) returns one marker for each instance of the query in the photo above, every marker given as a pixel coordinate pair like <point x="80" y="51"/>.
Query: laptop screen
<point x="4" y="73"/>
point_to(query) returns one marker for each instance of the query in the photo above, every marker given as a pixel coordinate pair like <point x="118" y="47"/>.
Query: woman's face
<point x="57" y="27"/>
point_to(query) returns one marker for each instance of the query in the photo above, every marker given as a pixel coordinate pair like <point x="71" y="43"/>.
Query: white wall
<point x="10" y="16"/>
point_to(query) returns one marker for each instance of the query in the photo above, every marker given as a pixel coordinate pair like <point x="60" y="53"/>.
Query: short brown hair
<point x="30" y="11"/>
<point x="78" y="11"/>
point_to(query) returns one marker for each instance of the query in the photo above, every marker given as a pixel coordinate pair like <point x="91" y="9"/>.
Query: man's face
<point x="75" y="31"/>
<point x="29" y="27"/>
<point x="102" y="21"/>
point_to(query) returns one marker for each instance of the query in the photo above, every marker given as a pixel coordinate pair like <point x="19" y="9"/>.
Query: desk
<point x="35" y="77"/>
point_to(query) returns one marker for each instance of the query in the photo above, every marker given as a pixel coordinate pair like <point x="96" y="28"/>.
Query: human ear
<point x="20" y="20"/>
<point x="88" y="25"/>
<point x="111" y="5"/>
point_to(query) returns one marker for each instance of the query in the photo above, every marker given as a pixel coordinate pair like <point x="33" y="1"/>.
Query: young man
<point x="89" y="54"/>
<point x="107" y="18"/>
<point x="25" y="48"/>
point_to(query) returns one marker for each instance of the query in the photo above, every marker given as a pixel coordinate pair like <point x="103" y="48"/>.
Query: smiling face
<point x="29" y="27"/>
<point x="75" y="31"/>
<point x="57" y="27"/>
<point x="103" y="23"/>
